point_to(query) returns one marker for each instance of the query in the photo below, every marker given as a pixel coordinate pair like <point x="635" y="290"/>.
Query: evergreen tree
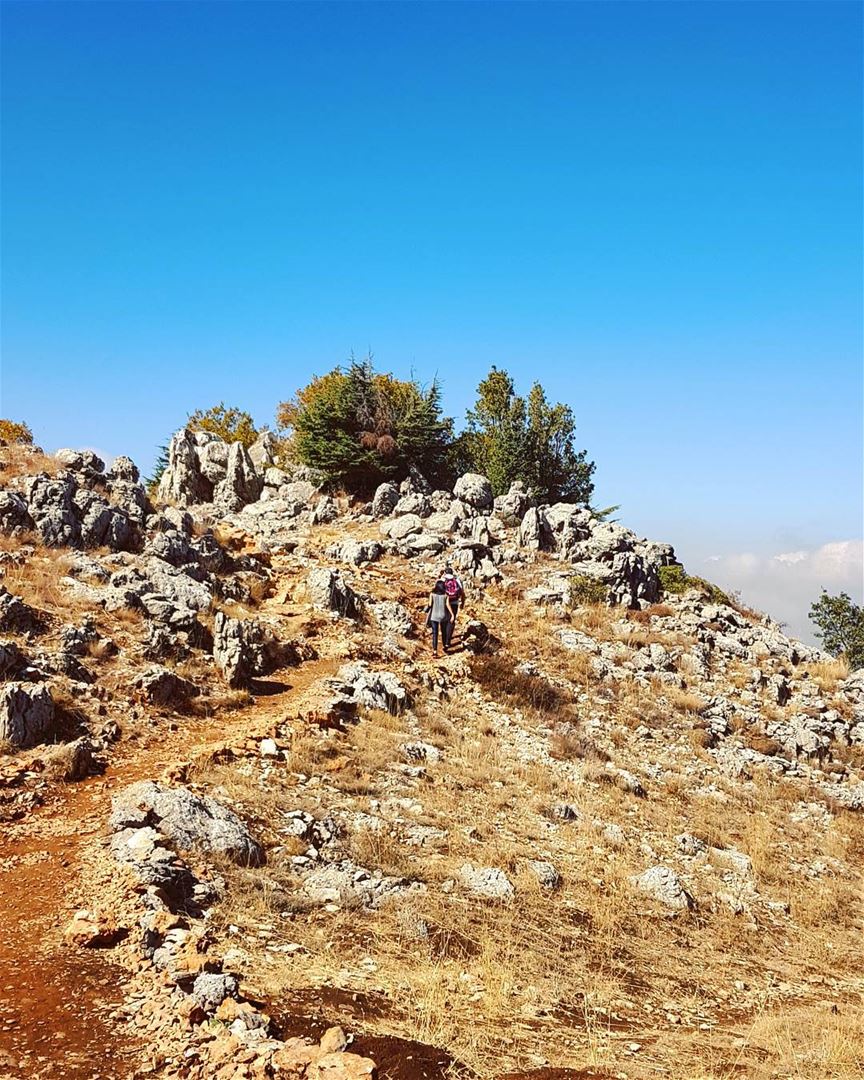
<point x="359" y="427"/>
<point x="159" y="467"/>
<point x="555" y="469"/>
<point x="497" y="435"/>
<point x="510" y="439"/>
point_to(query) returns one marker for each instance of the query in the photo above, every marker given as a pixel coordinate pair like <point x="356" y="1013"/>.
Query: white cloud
<point x="786" y="584"/>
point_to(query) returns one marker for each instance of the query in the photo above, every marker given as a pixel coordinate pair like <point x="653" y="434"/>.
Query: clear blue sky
<point x="654" y="208"/>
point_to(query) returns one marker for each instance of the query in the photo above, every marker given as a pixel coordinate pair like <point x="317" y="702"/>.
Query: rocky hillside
<point x="253" y="828"/>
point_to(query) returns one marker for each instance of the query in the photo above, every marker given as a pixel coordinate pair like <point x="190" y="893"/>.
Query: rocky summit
<point x="252" y="827"/>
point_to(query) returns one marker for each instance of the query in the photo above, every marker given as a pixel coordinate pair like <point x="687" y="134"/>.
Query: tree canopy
<point x="11" y="431"/>
<point x="360" y="427"/>
<point x="228" y="422"/>
<point x="840" y="626"/>
<point x="509" y="438"/>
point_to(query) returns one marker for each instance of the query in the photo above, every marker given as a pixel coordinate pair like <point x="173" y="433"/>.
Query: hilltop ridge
<point x="617" y="832"/>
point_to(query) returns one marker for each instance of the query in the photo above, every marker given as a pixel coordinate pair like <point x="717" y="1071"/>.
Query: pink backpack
<point x="452" y="588"/>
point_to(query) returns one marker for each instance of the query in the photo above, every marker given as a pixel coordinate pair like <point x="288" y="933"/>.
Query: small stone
<point x="333" y="1041"/>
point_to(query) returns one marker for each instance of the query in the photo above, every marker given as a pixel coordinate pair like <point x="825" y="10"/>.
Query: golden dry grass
<point x="18" y="460"/>
<point x="827" y="673"/>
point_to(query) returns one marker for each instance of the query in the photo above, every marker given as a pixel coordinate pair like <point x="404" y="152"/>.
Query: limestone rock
<point x="241" y="484"/>
<point x="16" y="617"/>
<point x="124" y="468"/>
<point x="374" y="689"/>
<point x="210" y="990"/>
<point x="386" y="497"/>
<point x="546" y="874"/>
<point x="403" y="526"/>
<point x="183" y="481"/>
<point x="475" y="490"/>
<point x="244" y="649"/>
<point x="27" y="714"/>
<point x="489" y="882"/>
<point x="264" y="451"/>
<point x="392" y="617"/>
<point x="49" y="501"/>
<point x="662" y="884"/>
<point x="355" y="552"/>
<point x="328" y="591"/>
<point x="14" y="515"/>
<point x="161" y="686"/>
<point x="414" y="503"/>
<point x="192" y="822"/>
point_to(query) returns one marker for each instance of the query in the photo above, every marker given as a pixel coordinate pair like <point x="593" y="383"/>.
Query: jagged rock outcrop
<point x="161" y="686"/>
<point x="328" y="591"/>
<point x="241" y="484"/>
<point x="374" y="689"/>
<point x="245" y="649"/>
<point x="385" y="499"/>
<point x="27" y="714"/>
<point x="16" y="617"/>
<point x="355" y="552"/>
<point x="14" y="516"/>
<point x="392" y="617"/>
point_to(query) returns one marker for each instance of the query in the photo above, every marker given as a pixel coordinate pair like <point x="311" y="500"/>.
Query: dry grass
<point x="683" y="702"/>
<point x="36" y="578"/>
<point x="827" y="674"/>
<point x="569" y="976"/>
<point x="18" y="460"/>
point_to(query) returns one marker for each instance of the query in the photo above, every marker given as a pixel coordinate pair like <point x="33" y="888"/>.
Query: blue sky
<point x="653" y="208"/>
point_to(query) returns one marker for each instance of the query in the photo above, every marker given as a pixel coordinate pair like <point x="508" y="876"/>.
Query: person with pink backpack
<point x="455" y="594"/>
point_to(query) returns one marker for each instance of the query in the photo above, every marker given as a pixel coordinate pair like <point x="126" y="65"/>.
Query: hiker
<point x="454" y="590"/>
<point x="440" y="617"/>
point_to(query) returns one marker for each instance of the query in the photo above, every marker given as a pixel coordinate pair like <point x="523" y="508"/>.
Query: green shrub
<point x="675" y="580"/>
<point x="587" y="590"/>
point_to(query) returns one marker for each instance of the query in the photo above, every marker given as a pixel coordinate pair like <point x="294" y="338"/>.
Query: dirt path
<point x="55" y="1000"/>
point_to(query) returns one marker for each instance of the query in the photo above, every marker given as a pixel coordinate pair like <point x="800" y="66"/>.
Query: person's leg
<point x="448" y="633"/>
<point x="435" y="625"/>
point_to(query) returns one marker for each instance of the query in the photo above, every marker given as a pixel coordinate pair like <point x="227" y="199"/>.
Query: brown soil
<point x="56" y="1000"/>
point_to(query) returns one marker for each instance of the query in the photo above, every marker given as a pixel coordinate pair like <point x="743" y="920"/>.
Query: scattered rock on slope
<point x="192" y="822"/>
<point x="663" y="885"/>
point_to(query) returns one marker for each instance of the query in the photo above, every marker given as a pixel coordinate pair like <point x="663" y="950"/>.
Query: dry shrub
<point x="569" y="744"/>
<point x="383" y="849"/>
<point x="37" y="580"/>
<point x="644" y="616"/>
<point x="595" y="619"/>
<point x="682" y="701"/>
<point x="701" y="737"/>
<point x="761" y="743"/>
<point x="497" y="675"/>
